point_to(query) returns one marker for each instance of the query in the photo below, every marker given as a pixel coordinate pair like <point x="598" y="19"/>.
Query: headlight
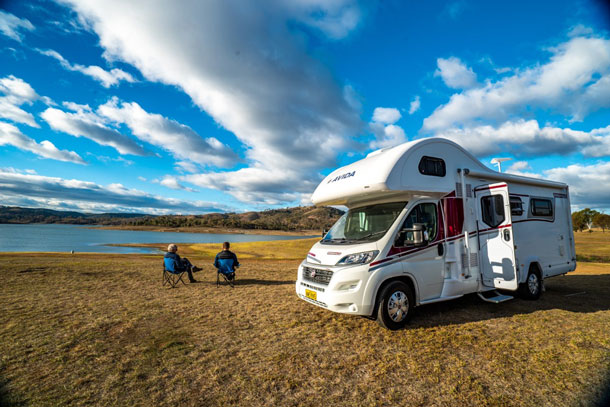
<point x="359" y="258"/>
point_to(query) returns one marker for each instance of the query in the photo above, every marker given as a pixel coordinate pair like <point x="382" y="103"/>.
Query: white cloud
<point x="170" y="181"/>
<point x="186" y="166"/>
<point x="588" y="183"/>
<point x="106" y="78"/>
<point x="386" y="115"/>
<point x="246" y="65"/>
<point x="415" y="105"/>
<point x="17" y="92"/>
<point x="10" y="135"/>
<point x="49" y="191"/>
<point x="455" y="73"/>
<point x="526" y="138"/>
<point x="86" y="124"/>
<point x="11" y="25"/>
<point x="180" y="140"/>
<point x="575" y="82"/>
<point x="387" y="134"/>
<point x="519" y="166"/>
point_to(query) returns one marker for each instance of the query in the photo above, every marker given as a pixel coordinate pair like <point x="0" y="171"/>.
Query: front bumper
<point x="345" y="292"/>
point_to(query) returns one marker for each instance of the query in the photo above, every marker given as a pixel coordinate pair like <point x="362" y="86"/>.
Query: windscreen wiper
<point x="370" y="235"/>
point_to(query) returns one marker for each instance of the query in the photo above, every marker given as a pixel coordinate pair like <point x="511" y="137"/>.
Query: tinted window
<point x="516" y="206"/>
<point x="541" y="207"/>
<point x="423" y="213"/>
<point x="492" y="210"/>
<point x="432" y="166"/>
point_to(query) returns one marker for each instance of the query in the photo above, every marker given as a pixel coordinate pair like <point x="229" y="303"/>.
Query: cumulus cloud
<point x="455" y="73"/>
<point x="387" y="134"/>
<point x="84" y="194"/>
<point x="386" y="115"/>
<point x="588" y="183"/>
<point x="180" y="140"/>
<point x="87" y="124"/>
<point x="575" y="81"/>
<point x="106" y="78"/>
<point x="526" y="138"/>
<point x="171" y="182"/>
<point x="12" y="26"/>
<point x="10" y="135"/>
<point x="17" y="92"/>
<point x="519" y="166"/>
<point x="246" y="64"/>
<point x="415" y="105"/>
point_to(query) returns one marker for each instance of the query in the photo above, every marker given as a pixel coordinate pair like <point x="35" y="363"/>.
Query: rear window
<point x="541" y="207"/>
<point x="432" y="166"/>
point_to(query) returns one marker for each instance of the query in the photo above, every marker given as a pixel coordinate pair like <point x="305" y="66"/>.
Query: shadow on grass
<point x="574" y="293"/>
<point x="254" y="281"/>
<point x="6" y="398"/>
<point x="604" y="399"/>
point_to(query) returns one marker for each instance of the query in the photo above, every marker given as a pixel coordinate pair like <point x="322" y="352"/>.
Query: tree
<point x="583" y="219"/>
<point x="602" y="221"/>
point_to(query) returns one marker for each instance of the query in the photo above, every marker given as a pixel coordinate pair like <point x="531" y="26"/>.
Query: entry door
<point x="497" y="247"/>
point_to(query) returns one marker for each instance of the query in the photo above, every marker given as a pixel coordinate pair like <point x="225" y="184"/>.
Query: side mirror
<point x="419" y="236"/>
<point x="324" y="232"/>
<point x="415" y="236"/>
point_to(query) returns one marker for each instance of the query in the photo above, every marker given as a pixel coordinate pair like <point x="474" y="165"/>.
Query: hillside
<point x="288" y="219"/>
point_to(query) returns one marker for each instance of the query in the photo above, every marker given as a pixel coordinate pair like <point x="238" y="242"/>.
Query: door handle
<point x="507" y="235"/>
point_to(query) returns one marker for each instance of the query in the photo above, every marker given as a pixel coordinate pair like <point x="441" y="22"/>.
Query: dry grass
<point x="594" y="246"/>
<point x="100" y="329"/>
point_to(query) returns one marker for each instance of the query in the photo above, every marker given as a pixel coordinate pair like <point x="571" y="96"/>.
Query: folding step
<point x="495" y="297"/>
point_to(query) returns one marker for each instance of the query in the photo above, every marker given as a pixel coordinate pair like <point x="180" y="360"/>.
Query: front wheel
<point x="395" y="305"/>
<point x="532" y="288"/>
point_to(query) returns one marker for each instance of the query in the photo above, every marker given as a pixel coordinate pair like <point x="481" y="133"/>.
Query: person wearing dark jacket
<point x="226" y="261"/>
<point x="174" y="263"/>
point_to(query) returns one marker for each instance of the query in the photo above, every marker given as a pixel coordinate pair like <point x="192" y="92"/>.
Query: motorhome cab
<point x="427" y="222"/>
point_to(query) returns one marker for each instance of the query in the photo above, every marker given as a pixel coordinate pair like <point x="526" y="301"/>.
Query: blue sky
<point x="144" y="106"/>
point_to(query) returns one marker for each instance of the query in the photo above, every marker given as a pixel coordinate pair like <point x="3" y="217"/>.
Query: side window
<point x="516" y="206"/>
<point x="432" y="166"/>
<point x="541" y="207"/>
<point x="423" y="213"/>
<point x="492" y="210"/>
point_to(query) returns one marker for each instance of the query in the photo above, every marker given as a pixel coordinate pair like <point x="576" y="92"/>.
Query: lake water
<point x="64" y="238"/>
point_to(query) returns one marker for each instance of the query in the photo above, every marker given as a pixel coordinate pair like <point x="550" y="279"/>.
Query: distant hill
<point x="289" y="219"/>
<point x="15" y="214"/>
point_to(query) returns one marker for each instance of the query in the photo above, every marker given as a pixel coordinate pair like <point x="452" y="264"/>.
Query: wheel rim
<point x="398" y="306"/>
<point x="533" y="284"/>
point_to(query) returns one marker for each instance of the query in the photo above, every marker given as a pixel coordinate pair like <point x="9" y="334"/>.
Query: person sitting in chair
<point x="226" y="261"/>
<point x="173" y="262"/>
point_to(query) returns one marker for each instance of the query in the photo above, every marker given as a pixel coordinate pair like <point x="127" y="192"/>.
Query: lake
<point x="64" y="238"/>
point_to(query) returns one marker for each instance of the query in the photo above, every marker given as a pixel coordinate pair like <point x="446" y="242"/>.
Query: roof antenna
<point x="499" y="161"/>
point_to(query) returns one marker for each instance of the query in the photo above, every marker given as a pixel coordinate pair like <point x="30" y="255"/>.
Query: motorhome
<point x="428" y="222"/>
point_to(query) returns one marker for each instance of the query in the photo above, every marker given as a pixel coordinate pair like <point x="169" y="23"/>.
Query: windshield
<point x="364" y="224"/>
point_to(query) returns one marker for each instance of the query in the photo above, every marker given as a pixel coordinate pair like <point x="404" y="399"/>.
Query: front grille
<point x="318" y="303"/>
<point x="319" y="276"/>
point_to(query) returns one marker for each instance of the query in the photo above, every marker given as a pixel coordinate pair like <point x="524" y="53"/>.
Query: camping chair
<point x="228" y="277"/>
<point x="172" y="277"/>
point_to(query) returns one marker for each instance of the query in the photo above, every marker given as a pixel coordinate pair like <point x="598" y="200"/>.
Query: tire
<point x="531" y="289"/>
<point x="395" y="305"/>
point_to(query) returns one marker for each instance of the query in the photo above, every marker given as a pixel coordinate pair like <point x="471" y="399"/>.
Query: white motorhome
<point x="427" y="222"/>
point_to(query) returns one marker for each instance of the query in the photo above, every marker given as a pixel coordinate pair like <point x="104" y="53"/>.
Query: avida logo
<point x="342" y="176"/>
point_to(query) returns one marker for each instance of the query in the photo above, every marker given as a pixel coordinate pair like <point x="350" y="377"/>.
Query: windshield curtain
<point x="364" y="224"/>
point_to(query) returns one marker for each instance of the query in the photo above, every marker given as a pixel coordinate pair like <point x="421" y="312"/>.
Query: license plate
<point x="312" y="295"/>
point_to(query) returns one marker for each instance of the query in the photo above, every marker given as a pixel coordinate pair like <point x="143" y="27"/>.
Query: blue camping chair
<point x="171" y="276"/>
<point x="225" y="270"/>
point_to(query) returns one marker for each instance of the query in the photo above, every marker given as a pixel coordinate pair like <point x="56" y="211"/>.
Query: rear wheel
<point x="395" y="305"/>
<point x="531" y="289"/>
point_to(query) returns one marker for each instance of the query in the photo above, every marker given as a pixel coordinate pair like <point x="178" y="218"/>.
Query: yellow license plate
<point x="312" y="295"/>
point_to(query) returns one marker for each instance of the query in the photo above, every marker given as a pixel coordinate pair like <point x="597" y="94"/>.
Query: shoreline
<point x="229" y="231"/>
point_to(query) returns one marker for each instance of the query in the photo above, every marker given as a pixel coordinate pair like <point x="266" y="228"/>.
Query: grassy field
<point x="593" y="246"/>
<point x="100" y="329"/>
